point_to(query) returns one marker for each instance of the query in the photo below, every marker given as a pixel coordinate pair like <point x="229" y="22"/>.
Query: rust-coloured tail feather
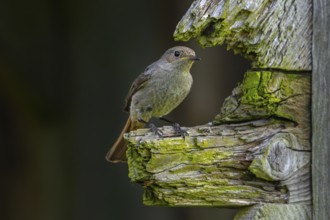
<point x="118" y="151"/>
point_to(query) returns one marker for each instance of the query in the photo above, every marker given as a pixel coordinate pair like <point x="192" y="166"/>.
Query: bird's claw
<point x="155" y="130"/>
<point x="179" y="131"/>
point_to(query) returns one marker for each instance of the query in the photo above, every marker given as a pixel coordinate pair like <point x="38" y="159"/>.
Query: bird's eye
<point x="177" y="53"/>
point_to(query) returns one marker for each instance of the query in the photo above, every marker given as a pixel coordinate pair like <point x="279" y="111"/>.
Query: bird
<point x="159" y="89"/>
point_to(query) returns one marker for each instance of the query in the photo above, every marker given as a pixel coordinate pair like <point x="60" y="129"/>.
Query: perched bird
<point x="155" y="93"/>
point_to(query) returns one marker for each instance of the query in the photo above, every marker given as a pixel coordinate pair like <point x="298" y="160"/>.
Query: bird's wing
<point x="139" y="83"/>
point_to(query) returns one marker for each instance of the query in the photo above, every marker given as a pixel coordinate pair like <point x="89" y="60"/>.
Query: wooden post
<point x="257" y="151"/>
<point x="321" y="110"/>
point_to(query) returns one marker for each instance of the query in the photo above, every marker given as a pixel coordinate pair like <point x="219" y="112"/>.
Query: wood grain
<point x="258" y="149"/>
<point x="261" y="158"/>
<point x="321" y="110"/>
<point x="271" y="33"/>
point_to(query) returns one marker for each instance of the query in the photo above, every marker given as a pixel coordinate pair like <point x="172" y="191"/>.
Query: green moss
<point x="136" y="170"/>
<point x="260" y="166"/>
<point x="207" y="195"/>
<point x="150" y="199"/>
<point x="161" y="162"/>
<point x="263" y="94"/>
<point x="212" y="141"/>
<point x="185" y="169"/>
<point x="208" y="156"/>
<point x="260" y="173"/>
<point x="195" y="171"/>
<point x="257" y="91"/>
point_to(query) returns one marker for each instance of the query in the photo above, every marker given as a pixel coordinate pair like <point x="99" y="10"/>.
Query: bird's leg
<point x="177" y="128"/>
<point x="152" y="127"/>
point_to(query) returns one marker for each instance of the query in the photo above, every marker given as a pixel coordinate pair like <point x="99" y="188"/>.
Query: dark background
<point x="65" y="69"/>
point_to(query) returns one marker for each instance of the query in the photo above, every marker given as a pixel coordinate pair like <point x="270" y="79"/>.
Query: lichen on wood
<point x="265" y="94"/>
<point x="196" y="172"/>
<point x="256" y="152"/>
<point x="271" y="33"/>
<point x="237" y="164"/>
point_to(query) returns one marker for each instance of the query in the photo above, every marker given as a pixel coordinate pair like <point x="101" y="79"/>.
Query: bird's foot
<point x="155" y="130"/>
<point x="179" y="131"/>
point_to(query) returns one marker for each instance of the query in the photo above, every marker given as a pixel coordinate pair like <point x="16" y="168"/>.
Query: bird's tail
<point x="118" y="151"/>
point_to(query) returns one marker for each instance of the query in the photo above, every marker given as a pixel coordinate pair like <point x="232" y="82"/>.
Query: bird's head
<point x="180" y="57"/>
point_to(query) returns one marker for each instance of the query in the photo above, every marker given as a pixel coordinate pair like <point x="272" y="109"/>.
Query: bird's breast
<point x="173" y="90"/>
<point x="162" y="94"/>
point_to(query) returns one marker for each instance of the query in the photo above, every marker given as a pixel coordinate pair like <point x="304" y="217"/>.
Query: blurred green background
<point x="65" y="69"/>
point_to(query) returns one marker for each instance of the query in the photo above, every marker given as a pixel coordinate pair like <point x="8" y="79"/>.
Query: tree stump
<point x="257" y="151"/>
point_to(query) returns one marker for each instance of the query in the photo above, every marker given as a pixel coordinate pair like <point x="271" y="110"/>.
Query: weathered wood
<point x="271" y="33"/>
<point x="262" y="160"/>
<point x="283" y="212"/>
<point x="265" y="94"/>
<point x="257" y="151"/>
<point x="321" y="110"/>
<point x="202" y="170"/>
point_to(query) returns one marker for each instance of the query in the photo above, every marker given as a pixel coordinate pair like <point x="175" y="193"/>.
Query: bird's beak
<point x="196" y="58"/>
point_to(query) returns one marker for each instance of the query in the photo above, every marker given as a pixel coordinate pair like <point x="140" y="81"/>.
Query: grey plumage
<point x="156" y="92"/>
